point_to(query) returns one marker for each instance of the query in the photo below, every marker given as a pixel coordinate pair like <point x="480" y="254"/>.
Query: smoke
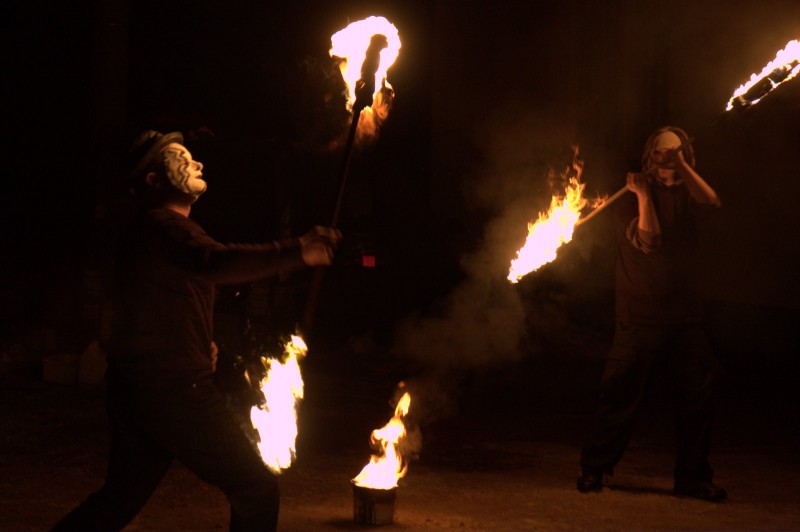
<point x="486" y="321"/>
<point x="482" y="321"/>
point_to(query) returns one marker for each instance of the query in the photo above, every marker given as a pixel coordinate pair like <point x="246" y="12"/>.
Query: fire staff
<point x="162" y="401"/>
<point x="658" y="318"/>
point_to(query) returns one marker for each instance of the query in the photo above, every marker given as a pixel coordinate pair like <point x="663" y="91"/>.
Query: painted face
<point x="184" y="173"/>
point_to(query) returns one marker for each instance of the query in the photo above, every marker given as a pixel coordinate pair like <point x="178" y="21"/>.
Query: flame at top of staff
<point x="351" y="43"/>
<point x="784" y="67"/>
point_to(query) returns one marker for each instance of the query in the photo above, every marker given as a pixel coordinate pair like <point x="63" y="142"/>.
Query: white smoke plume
<point x="484" y="321"/>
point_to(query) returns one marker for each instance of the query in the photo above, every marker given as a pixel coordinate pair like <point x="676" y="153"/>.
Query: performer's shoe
<point x="704" y="490"/>
<point x="590" y="480"/>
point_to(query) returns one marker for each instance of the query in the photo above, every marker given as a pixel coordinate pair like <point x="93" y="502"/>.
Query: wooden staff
<point x="621" y="192"/>
<point x="742" y="103"/>
<point x="365" y="89"/>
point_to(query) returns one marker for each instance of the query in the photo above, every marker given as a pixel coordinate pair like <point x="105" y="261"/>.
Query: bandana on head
<point x="183" y="173"/>
<point x="667" y="140"/>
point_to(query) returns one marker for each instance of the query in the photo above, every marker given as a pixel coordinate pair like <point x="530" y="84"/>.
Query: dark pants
<point x="153" y="423"/>
<point x="637" y="351"/>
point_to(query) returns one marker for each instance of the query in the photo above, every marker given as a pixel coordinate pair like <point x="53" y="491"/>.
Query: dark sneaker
<point x="590" y="481"/>
<point x="704" y="490"/>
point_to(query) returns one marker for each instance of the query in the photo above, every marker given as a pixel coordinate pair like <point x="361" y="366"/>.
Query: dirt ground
<point x="504" y="459"/>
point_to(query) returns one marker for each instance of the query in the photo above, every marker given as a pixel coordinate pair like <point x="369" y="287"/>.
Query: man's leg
<point x="625" y="377"/>
<point x="207" y="437"/>
<point x="136" y="465"/>
<point x="695" y="370"/>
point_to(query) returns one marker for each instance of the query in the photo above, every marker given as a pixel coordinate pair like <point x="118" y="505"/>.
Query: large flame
<point x="784" y="67"/>
<point x="350" y="44"/>
<point x="553" y="229"/>
<point x="276" y="420"/>
<point x="384" y="470"/>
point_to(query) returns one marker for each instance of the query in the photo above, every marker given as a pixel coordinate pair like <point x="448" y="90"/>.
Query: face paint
<point x="183" y="173"/>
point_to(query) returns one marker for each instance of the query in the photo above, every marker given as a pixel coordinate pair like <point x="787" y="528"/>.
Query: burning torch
<point x="379" y="55"/>
<point x="555" y="227"/>
<point x="784" y="67"/>
<point x="364" y="90"/>
<point x="274" y="417"/>
<point x="384" y="45"/>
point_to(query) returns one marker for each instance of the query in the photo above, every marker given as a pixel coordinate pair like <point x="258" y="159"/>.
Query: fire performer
<point x="162" y="401"/>
<point x="658" y="318"/>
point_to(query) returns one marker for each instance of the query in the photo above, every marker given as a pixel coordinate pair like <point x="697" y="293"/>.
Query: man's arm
<point x="193" y="250"/>
<point x="644" y="232"/>
<point x="698" y="188"/>
<point x="237" y="263"/>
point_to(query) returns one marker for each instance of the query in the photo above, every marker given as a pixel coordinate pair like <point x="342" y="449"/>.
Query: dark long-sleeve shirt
<point x="655" y="274"/>
<point x="166" y="271"/>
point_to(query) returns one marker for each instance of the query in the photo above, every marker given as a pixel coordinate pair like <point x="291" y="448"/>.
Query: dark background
<point x="504" y="377"/>
<point x="487" y="95"/>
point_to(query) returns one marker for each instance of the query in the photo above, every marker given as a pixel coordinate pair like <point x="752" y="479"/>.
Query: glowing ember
<point x="383" y="472"/>
<point x="784" y="67"/>
<point x="276" y="421"/>
<point x="350" y="44"/>
<point x="550" y="231"/>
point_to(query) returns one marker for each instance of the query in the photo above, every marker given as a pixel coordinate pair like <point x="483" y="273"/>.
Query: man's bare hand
<point x="318" y="245"/>
<point x="637" y="183"/>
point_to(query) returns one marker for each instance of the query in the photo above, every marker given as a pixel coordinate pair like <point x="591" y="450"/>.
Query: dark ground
<point x="505" y="459"/>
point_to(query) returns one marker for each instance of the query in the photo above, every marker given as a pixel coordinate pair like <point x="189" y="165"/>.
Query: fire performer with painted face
<point x="658" y="318"/>
<point x="162" y="401"/>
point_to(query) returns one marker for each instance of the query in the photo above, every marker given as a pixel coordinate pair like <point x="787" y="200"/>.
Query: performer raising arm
<point x="162" y="401"/>
<point x="658" y="318"/>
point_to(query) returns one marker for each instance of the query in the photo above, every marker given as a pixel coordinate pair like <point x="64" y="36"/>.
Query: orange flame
<point x="282" y="388"/>
<point x="351" y="43"/>
<point x="784" y="67"/>
<point x="383" y="472"/>
<point x="553" y="228"/>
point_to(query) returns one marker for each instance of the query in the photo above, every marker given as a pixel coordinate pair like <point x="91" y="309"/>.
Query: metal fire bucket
<point x="373" y="506"/>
